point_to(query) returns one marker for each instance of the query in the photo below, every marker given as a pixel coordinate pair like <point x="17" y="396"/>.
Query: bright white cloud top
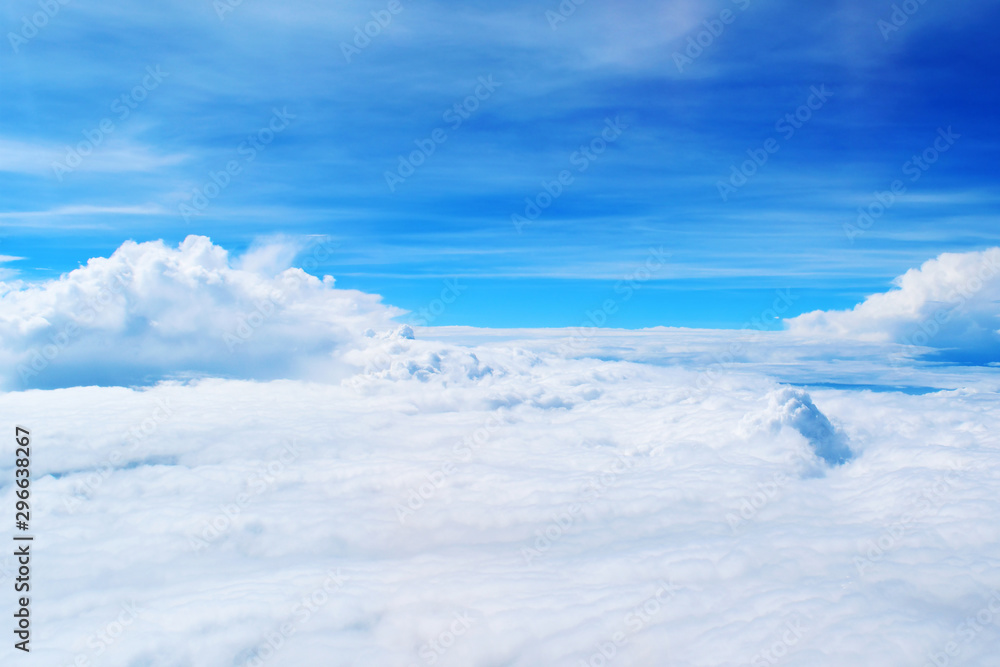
<point x="150" y="311"/>
<point x="353" y="493"/>
<point x="951" y="303"/>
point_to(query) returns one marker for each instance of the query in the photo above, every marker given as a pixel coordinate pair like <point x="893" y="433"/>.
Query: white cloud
<point x="544" y="504"/>
<point x="479" y="497"/>
<point x="270" y="255"/>
<point x="951" y="304"/>
<point x="149" y="312"/>
<point x="794" y="408"/>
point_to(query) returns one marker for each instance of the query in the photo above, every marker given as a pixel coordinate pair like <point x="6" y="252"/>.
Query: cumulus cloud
<point x="950" y="304"/>
<point x="150" y="311"/>
<point x="795" y="408"/>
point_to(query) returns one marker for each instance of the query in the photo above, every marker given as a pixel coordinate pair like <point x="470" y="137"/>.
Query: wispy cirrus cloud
<point x="87" y="209"/>
<point x="326" y="172"/>
<point x="45" y="159"/>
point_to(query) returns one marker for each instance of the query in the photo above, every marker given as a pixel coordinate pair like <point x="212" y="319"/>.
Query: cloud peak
<point x="948" y="305"/>
<point x="150" y="311"/>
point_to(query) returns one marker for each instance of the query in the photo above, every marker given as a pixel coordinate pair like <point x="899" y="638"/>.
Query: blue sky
<point x="201" y="93"/>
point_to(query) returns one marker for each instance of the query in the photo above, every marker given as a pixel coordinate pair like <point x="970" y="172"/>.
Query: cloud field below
<point x="351" y="490"/>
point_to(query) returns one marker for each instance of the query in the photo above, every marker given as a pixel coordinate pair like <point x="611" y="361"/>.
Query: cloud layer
<point x="490" y="505"/>
<point x="370" y="493"/>
<point x="151" y="312"/>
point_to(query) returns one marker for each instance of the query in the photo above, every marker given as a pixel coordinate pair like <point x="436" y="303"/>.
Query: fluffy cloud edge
<point x="947" y="304"/>
<point x="150" y="311"/>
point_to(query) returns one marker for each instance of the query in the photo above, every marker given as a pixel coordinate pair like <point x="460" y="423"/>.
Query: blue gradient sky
<point x="654" y="186"/>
